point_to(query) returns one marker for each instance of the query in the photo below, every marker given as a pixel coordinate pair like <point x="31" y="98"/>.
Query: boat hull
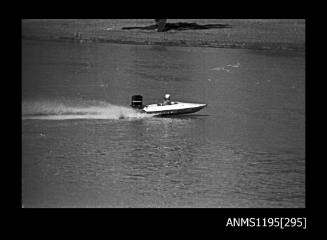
<point x="175" y="109"/>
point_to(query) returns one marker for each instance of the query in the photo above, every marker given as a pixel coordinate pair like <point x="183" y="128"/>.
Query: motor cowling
<point x="137" y="102"/>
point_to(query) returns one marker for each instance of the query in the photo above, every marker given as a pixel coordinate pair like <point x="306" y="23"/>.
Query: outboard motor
<point x="137" y="101"/>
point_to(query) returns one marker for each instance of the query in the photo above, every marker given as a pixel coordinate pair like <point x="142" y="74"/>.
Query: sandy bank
<point x="227" y="33"/>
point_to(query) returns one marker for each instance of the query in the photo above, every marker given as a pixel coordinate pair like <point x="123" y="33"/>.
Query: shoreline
<point x="285" y="35"/>
<point x="231" y="45"/>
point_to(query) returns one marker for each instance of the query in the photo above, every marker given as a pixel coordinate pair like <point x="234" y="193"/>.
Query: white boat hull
<point x="173" y="109"/>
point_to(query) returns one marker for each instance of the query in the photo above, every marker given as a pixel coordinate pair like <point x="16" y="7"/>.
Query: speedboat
<point x="172" y="108"/>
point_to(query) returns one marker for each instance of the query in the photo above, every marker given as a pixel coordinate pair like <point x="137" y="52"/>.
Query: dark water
<point x="82" y="146"/>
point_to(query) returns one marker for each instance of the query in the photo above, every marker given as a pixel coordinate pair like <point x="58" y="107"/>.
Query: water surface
<point x="82" y="146"/>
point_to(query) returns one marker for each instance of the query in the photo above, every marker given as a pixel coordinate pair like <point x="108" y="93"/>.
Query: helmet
<point x="167" y="96"/>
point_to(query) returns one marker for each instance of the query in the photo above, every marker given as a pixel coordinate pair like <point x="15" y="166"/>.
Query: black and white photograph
<point x="163" y="113"/>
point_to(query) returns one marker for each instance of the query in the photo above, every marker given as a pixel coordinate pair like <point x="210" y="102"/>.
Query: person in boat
<point x="166" y="100"/>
